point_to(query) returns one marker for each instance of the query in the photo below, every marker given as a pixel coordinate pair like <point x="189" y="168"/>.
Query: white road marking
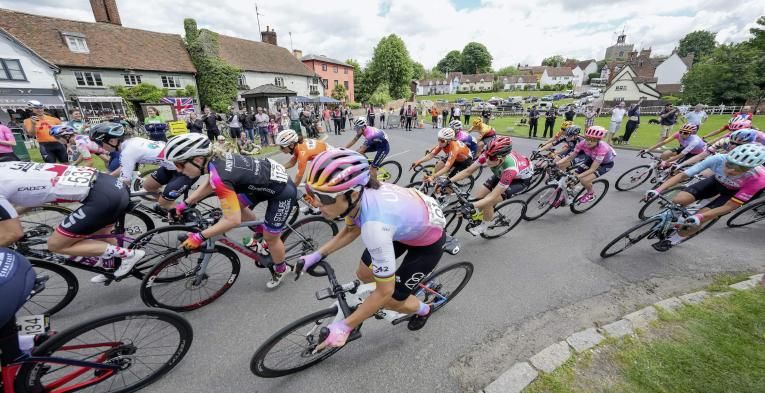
<point x="397" y="154"/>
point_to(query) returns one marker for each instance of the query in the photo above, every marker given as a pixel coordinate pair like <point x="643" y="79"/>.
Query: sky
<point x="514" y="31"/>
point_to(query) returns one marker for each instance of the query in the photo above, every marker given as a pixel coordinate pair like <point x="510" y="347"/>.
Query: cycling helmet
<point x="750" y="155"/>
<point x="101" y="132"/>
<point x="744" y="136"/>
<point x="573" y="130"/>
<point x="596" y="132"/>
<point x="286" y="138"/>
<point x="446" y="133"/>
<point x="739" y="125"/>
<point x="500" y="146"/>
<point x="187" y="146"/>
<point x="61" y="131"/>
<point x="455" y="125"/>
<point x="338" y="170"/>
<point x="34" y="104"/>
<point x="566" y="124"/>
<point x="360" y="123"/>
<point x="690" y="127"/>
<point x="477" y="122"/>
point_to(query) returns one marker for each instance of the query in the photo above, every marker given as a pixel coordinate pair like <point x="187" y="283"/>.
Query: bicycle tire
<point x="506" y="226"/>
<point x="50" y="216"/>
<point x="646" y="211"/>
<point x="30" y="374"/>
<point x="425" y="170"/>
<point x="453" y="219"/>
<point x="630" y="182"/>
<point x="153" y="281"/>
<point x="467" y="266"/>
<point x="650" y="223"/>
<point x="308" y="241"/>
<point x="259" y="358"/>
<point x="393" y="168"/>
<point x="574" y="206"/>
<point x="137" y="223"/>
<point x="47" y="302"/>
<point x="759" y="215"/>
<point x="704" y="227"/>
<point x="544" y="198"/>
<point x="137" y="184"/>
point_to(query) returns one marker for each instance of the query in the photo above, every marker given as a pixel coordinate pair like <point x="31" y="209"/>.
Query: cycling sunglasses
<point x="494" y="158"/>
<point x="737" y="168"/>
<point x="324" y="198"/>
<point x="442" y="140"/>
<point x="685" y="133"/>
<point x="592" y="139"/>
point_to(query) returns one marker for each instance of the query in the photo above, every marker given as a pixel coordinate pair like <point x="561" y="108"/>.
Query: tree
<point x="362" y="88"/>
<point x="700" y="42"/>
<point x="144" y="92"/>
<point x="339" y="93"/>
<point x="476" y="59"/>
<point x="392" y="66"/>
<point x="380" y="96"/>
<point x="433" y="73"/>
<point x="450" y="63"/>
<point x="508" y="71"/>
<point x="727" y="76"/>
<point x="418" y="70"/>
<point x="216" y="79"/>
<point x="553" y="61"/>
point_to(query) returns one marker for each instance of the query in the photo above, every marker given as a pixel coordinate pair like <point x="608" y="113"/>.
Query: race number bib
<point x="278" y="173"/>
<point x="77" y="177"/>
<point x="435" y="215"/>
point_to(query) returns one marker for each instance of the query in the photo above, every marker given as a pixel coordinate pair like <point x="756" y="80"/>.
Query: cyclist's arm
<point x="289" y="164"/>
<point x="302" y="164"/>
<point x="425" y="158"/>
<point x="672" y="181"/>
<point x="10" y="226"/>
<point x="353" y="141"/>
<point x="447" y="165"/>
<point x="713" y="133"/>
<point x="674" y="158"/>
<point x="728" y="207"/>
<point x="695" y="159"/>
<point x="547" y="145"/>
<point x="660" y="144"/>
<point x="465" y="172"/>
<point x="127" y="164"/>
<point x="229" y="204"/>
<point x="345" y="237"/>
<point x="200" y="193"/>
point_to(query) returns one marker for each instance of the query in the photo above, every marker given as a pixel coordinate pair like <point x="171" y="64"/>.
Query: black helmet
<point x="573" y="130"/>
<point x="101" y="132"/>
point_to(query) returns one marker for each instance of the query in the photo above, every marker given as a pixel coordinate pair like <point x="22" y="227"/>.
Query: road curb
<point x="522" y="374"/>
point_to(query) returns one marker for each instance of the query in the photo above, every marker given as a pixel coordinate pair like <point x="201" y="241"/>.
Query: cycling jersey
<point x="305" y="152"/>
<point x="416" y="221"/>
<point x="570" y="144"/>
<point x="693" y="144"/>
<point x="372" y="135"/>
<point x="747" y="184"/>
<point x="485" y="130"/>
<point x="601" y="153"/>
<point x="456" y="151"/>
<point x="469" y="141"/>
<point x="85" y="147"/>
<point x="721" y="146"/>
<point x="515" y="166"/>
<point x="136" y="151"/>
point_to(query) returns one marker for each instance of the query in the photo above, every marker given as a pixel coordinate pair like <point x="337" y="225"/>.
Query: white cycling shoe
<point x="479" y="229"/>
<point x="125" y="267"/>
<point x="277" y="278"/>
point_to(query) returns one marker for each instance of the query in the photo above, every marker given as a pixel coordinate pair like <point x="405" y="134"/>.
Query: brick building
<point x="332" y="72"/>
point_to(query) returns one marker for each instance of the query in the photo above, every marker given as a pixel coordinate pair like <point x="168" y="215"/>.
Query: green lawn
<point x="488" y="94"/>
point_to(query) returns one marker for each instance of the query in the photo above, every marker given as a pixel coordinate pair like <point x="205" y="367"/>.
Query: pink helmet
<point x="741" y="124"/>
<point x="338" y="170"/>
<point x="597" y="132"/>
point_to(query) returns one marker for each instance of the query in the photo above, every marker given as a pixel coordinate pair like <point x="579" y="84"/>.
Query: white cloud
<point x="514" y="31"/>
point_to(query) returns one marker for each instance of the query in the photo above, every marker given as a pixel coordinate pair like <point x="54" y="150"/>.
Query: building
<point x="332" y="73"/>
<point x="93" y="58"/>
<point x="449" y="84"/>
<point x="582" y="71"/>
<point x="619" y="51"/>
<point x="672" y="69"/>
<point x="630" y="87"/>
<point x="518" y="82"/>
<point x="476" y="82"/>
<point x="24" y="76"/>
<point x="556" y="76"/>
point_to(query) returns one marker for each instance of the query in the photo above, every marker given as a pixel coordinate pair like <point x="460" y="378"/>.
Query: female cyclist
<point x="486" y="132"/>
<point x="457" y="157"/>
<point x="81" y="144"/>
<point x="690" y="145"/>
<point x="599" y="160"/>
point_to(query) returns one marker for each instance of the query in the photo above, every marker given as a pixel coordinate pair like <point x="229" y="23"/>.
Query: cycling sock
<point x="113" y="251"/>
<point x="280" y="267"/>
<point x="423" y="310"/>
<point x="675" y="239"/>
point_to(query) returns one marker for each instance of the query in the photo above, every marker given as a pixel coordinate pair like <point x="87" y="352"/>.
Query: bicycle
<point x="186" y="280"/>
<point x="303" y="336"/>
<point x="652" y="207"/>
<point x="421" y="171"/>
<point x="634" y="177"/>
<point x="660" y="226"/>
<point x="389" y="171"/>
<point x="541" y="162"/>
<point x="747" y="215"/>
<point x="563" y="188"/>
<point x="507" y="215"/>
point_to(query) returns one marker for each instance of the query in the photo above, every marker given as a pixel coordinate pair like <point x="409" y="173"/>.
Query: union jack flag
<point x="182" y="105"/>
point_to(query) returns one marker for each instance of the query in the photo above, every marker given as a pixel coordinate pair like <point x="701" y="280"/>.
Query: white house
<point x="582" y="71"/>
<point x="672" y="69"/>
<point x="432" y="86"/>
<point x="476" y="82"/>
<point x="24" y="76"/>
<point x="629" y="87"/>
<point x="519" y="82"/>
<point x="556" y="75"/>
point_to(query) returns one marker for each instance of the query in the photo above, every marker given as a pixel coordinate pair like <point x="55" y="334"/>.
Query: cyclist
<point x="302" y="152"/>
<point x="487" y="133"/>
<point x="374" y="141"/>
<point x="737" y="121"/>
<point x="240" y="183"/>
<point x="738" y="178"/>
<point x="569" y="139"/>
<point x="724" y="145"/>
<point x="16" y="283"/>
<point x="464" y="137"/>
<point x="511" y="174"/>
<point x="135" y="151"/>
<point x="690" y="145"/>
<point x="340" y="179"/>
<point x="82" y="144"/>
<point x="599" y="160"/>
<point x="563" y="126"/>
<point x="104" y="199"/>
<point x="457" y="157"/>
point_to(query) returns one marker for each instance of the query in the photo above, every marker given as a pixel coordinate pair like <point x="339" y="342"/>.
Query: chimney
<point x="105" y="11"/>
<point x="298" y="53"/>
<point x="268" y="36"/>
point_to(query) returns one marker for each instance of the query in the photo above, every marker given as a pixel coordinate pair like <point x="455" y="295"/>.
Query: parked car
<point x="515" y="99"/>
<point x="509" y="106"/>
<point x="543" y="106"/>
<point x="531" y="99"/>
<point x="476" y="99"/>
<point x="547" y="98"/>
<point x="558" y="96"/>
<point x="484" y="105"/>
<point x="461" y="101"/>
<point x="495" y="101"/>
<point x="596" y="94"/>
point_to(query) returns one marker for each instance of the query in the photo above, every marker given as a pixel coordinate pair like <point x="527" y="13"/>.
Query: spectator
<point x="306" y="120"/>
<point x="550" y="117"/>
<point x="7" y="142"/>
<point x="434" y="116"/>
<point x="382" y="117"/>
<point x="468" y="113"/>
<point x="38" y="126"/>
<point x="570" y="114"/>
<point x="326" y="116"/>
<point x="248" y="123"/>
<point x="410" y="115"/>
<point x="234" y="123"/>
<point x="589" y="117"/>
<point x="451" y="113"/>
<point x="78" y="123"/>
<point x="457" y="113"/>
<point x="211" y="119"/>
<point x="389" y="118"/>
<point x="667" y="119"/>
<point x="617" y="115"/>
<point x="348" y="117"/>
<point x="371" y="115"/>
<point x="222" y="146"/>
<point x="247" y="146"/>
<point x="486" y="115"/>
<point x="261" y="124"/>
<point x="697" y="116"/>
<point x="194" y="124"/>
<point x="444" y="117"/>
<point x="533" y="121"/>
<point x="155" y="125"/>
<point x="273" y="129"/>
<point x="294" y="115"/>
<point x="633" y="121"/>
<point x="336" y="120"/>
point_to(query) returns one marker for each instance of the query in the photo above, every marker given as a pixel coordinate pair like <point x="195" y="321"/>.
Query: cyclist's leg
<point x="417" y="264"/>
<point x="485" y="205"/>
<point x="364" y="271"/>
<point x="277" y="214"/>
<point x="178" y="184"/>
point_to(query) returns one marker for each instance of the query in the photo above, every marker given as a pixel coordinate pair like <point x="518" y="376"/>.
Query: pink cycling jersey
<point x="693" y="144"/>
<point x="601" y="153"/>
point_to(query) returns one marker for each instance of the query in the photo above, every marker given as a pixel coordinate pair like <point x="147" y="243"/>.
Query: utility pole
<point x="257" y="16"/>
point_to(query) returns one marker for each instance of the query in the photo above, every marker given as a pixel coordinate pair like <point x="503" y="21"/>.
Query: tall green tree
<point x="508" y="71"/>
<point x="450" y="63"/>
<point x="433" y="73"/>
<point x="362" y="87"/>
<point x="418" y="70"/>
<point x="391" y="65"/>
<point x="339" y="93"/>
<point x="700" y="42"/>
<point x="476" y="59"/>
<point x="216" y="79"/>
<point x="553" y="61"/>
<point x="727" y="76"/>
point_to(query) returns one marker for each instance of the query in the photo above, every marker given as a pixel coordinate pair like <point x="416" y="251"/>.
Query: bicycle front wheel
<point x="599" y="187"/>
<point x="655" y="205"/>
<point x="634" y="177"/>
<point x="291" y="349"/>
<point x="453" y="221"/>
<point x="540" y="202"/>
<point x="748" y="215"/>
<point x="137" y="223"/>
<point x="306" y="236"/>
<point x="426" y="170"/>
<point x="536" y="179"/>
<point x="61" y="287"/>
<point x="444" y="285"/>
<point x="630" y="237"/>
<point x="174" y="282"/>
<point x="507" y="215"/>
<point x="389" y="172"/>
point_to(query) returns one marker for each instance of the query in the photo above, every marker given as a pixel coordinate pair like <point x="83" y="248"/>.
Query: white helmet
<point x="286" y="138"/>
<point x="750" y="155"/>
<point x="446" y="133"/>
<point x="360" y="122"/>
<point x="455" y="125"/>
<point x="34" y="104"/>
<point x="187" y="146"/>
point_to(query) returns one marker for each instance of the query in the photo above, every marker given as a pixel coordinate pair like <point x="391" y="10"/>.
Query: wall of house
<point x="115" y="78"/>
<point x="297" y="83"/>
<point x="548" y="80"/>
<point x="331" y="76"/>
<point x="625" y="90"/>
<point x="39" y="74"/>
<point x="671" y="71"/>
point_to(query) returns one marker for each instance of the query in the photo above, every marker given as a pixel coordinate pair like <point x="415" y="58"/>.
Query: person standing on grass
<point x="533" y="121"/>
<point x="38" y="126"/>
<point x="457" y="113"/>
<point x="486" y="115"/>
<point x="451" y="113"/>
<point x="617" y="115"/>
<point x="633" y="121"/>
<point x="570" y="113"/>
<point x="211" y="119"/>
<point x="589" y="117"/>
<point x="550" y="117"/>
<point x="248" y="123"/>
<point x="667" y="119"/>
<point x="444" y="116"/>
<point x="468" y="112"/>
<point x="697" y="116"/>
<point x="7" y="142"/>
<point x="194" y="124"/>
<point x="234" y="121"/>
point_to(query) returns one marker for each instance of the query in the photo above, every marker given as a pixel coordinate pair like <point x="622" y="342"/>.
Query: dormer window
<point x="76" y="42"/>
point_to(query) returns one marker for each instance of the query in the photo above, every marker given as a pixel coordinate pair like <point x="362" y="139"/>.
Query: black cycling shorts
<point x="382" y="148"/>
<point x="279" y="207"/>
<point x="708" y="188"/>
<point x="54" y="151"/>
<point x="417" y="264"/>
<point x="107" y="201"/>
<point x="586" y="163"/>
<point x="175" y="183"/>
<point x="518" y="185"/>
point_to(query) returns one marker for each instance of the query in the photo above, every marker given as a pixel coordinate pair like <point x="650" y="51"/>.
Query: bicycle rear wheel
<point x="599" y="187"/>
<point x="41" y="222"/>
<point x="748" y="215"/>
<point x="634" y="177"/>
<point x="389" y="172"/>
<point x="306" y="236"/>
<point x="540" y="202"/>
<point x="655" y="205"/>
<point x="444" y="284"/>
<point x="146" y="344"/>
<point x="137" y="223"/>
<point x="536" y="179"/>
<point x="60" y="289"/>
<point x="507" y="215"/>
<point x="630" y="237"/>
<point x="160" y="242"/>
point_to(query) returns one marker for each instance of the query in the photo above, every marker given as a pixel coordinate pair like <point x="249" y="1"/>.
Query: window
<point x="10" y="69"/>
<point x="323" y="67"/>
<point x="345" y="84"/>
<point x="334" y="68"/>
<point x="279" y="81"/>
<point x="132" y="80"/>
<point x="242" y="80"/>
<point x="345" y="70"/>
<point x="621" y="88"/>
<point x="76" y="44"/>
<point x="336" y="83"/>
<point x="314" y="90"/>
<point x="88" y="79"/>
<point x="171" y="81"/>
<point x="325" y="83"/>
